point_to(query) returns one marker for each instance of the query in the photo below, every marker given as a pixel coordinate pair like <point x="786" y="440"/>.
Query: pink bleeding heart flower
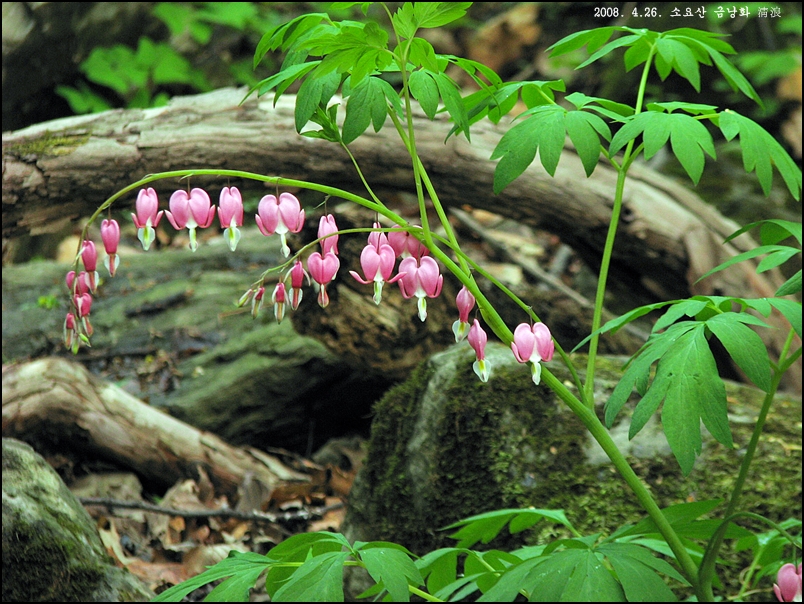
<point x="278" y="298"/>
<point x="81" y="284"/>
<point x="256" y="302"/>
<point x="788" y="583"/>
<point x="282" y="216"/>
<point x="89" y="256"/>
<point x="147" y="217"/>
<point x="70" y="333"/>
<point x="193" y="210"/>
<point x="297" y="275"/>
<point x="377" y="260"/>
<point x="323" y="270"/>
<point x="421" y="278"/>
<point x="533" y="344"/>
<point x="83" y="306"/>
<point x="110" y="234"/>
<point x="466" y="302"/>
<point x="477" y="340"/>
<point x="405" y="244"/>
<point x="326" y="228"/>
<point x="230" y="213"/>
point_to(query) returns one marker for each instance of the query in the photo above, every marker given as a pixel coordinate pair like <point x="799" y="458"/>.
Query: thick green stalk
<point x="605" y="261"/>
<point x="707" y="570"/>
<point x="602" y="436"/>
<point x="589" y="387"/>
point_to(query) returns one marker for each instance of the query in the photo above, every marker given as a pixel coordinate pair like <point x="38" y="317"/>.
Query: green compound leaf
<point x="425" y="90"/>
<point x="422" y="54"/>
<point x="453" y="102"/>
<point x="439" y="567"/>
<point x="636" y="569"/>
<point x="744" y="346"/>
<point x="594" y="38"/>
<point x="517" y="148"/>
<point x="638" y="372"/>
<point x="585" y="130"/>
<point x="791" y="286"/>
<point x="246" y="564"/>
<point x="680" y="516"/>
<point x="613" y="45"/>
<point x="319" y="579"/>
<point x="760" y="152"/>
<point x="791" y="311"/>
<point x="485" y="527"/>
<point x="570" y="575"/>
<point x="438" y="14"/>
<point x="414" y="15"/>
<point x="688" y="383"/>
<point x="285" y="35"/>
<point x="367" y="104"/>
<point x="544" y="130"/>
<point x="680" y="58"/>
<point x="393" y="569"/>
<point x="688" y="138"/>
<point x="757" y="251"/>
<point x="314" y="92"/>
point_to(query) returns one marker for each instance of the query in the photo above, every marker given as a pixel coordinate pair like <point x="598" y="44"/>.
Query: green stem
<point x="622" y="170"/>
<point x="707" y="570"/>
<point x="423" y="594"/>
<point x="604" y="439"/>
<point x="589" y="388"/>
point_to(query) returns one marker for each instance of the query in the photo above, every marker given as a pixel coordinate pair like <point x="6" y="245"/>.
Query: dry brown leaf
<point x="503" y="38"/>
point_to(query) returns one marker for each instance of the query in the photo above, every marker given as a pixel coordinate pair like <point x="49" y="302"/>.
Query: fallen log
<point x="58" y="406"/>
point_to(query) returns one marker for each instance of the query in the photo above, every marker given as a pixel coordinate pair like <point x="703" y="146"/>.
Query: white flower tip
<point x="460" y="330"/>
<point x="537" y="373"/>
<point x="482" y="370"/>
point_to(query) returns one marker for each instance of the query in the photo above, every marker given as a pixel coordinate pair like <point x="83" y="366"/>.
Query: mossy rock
<point x="51" y="548"/>
<point x="445" y="446"/>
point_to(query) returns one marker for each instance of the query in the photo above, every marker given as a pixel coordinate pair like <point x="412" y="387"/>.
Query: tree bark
<point x="59" y="405"/>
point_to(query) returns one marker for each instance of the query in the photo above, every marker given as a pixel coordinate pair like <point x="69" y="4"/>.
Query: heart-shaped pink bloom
<point x="82" y="285"/>
<point x="421" y="278"/>
<point x="70" y="333"/>
<point x="405" y="244"/>
<point x="377" y="260"/>
<point x="230" y="214"/>
<point x="477" y="340"/>
<point x="278" y="298"/>
<point x="282" y="216"/>
<point x="788" y="583"/>
<point x="323" y="270"/>
<point x="147" y="217"/>
<point x="466" y="302"/>
<point x="89" y="256"/>
<point x="191" y="210"/>
<point x="83" y="304"/>
<point x="110" y="234"/>
<point x="297" y="275"/>
<point x="230" y="207"/>
<point x="326" y="228"/>
<point x="533" y="344"/>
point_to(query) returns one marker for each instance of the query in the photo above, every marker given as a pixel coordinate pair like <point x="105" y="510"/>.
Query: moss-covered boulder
<point x="445" y="446"/>
<point x="51" y="548"/>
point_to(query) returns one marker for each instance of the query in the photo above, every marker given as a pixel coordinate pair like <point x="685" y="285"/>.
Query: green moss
<point x="49" y="144"/>
<point x="508" y="444"/>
